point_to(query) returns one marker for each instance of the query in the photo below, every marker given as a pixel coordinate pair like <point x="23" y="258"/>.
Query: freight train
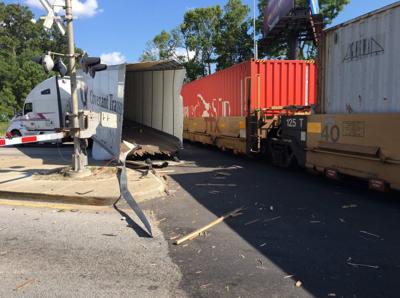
<point x="338" y="116"/>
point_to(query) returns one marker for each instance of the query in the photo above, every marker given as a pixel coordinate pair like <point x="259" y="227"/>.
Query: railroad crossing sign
<point x="52" y="15"/>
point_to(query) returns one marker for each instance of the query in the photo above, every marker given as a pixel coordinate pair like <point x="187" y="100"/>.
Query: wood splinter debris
<point x="251" y="222"/>
<point x="23" y="285"/>
<point x="198" y="232"/>
<point x="349" y="206"/>
<point x="349" y="262"/>
<point x="84" y="193"/>
<point x="362" y="265"/>
<point x="370" y="234"/>
<point x="288" y="276"/>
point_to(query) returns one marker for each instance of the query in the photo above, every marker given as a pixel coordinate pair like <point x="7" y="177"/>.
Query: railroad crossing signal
<point x="92" y="65"/>
<point x="50" y="65"/>
<point x="52" y="15"/>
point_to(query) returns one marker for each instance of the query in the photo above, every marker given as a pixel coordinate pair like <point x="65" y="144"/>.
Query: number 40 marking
<point x="331" y="134"/>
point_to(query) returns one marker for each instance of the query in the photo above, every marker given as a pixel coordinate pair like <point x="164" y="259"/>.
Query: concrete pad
<point x="23" y="178"/>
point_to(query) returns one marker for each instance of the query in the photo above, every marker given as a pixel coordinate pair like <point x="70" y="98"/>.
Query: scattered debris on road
<point x="251" y="222"/>
<point x="174" y="237"/>
<point x="25" y="284"/>
<point x="216" y="184"/>
<point x="349" y="262"/>
<point x="370" y="234"/>
<point x="196" y="233"/>
<point x="349" y="206"/>
<point x="214" y="192"/>
<point x="299" y="284"/>
<point x="84" y="193"/>
<point x="205" y="286"/>
<point x="271" y="219"/>
<point x="288" y="276"/>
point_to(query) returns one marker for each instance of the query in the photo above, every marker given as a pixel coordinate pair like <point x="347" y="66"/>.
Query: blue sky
<point x="119" y="29"/>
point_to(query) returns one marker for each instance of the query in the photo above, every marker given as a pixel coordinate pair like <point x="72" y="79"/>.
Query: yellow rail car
<point x="224" y="132"/>
<point x="360" y="145"/>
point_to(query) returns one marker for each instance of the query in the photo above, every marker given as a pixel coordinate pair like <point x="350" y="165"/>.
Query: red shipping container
<point x="251" y="85"/>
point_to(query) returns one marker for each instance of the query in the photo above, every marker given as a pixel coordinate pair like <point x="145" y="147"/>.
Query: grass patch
<point x="3" y="128"/>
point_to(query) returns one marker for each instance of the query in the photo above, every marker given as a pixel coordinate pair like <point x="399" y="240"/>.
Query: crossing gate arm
<point x="126" y="148"/>
<point x="32" y="139"/>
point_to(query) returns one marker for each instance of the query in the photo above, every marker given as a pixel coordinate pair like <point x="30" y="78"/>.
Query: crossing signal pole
<point x="89" y="65"/>
<point x="79" y="157"/>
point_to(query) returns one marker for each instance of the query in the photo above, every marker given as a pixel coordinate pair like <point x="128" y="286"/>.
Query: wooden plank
<point x="197" y="233"/>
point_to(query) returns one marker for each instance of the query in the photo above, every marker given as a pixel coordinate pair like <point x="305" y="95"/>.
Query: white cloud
<point x="112" y="58"/>
<point x="80" y="8"/>
<point x="181" y="52"/>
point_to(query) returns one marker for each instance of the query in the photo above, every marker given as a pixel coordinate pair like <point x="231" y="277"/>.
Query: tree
<point x="164" y="46"/>
<point x="21" y="38"/>
<point x="329" y="9"/>
<point x="200" y="29"/>
<point x="234" y="43"/>
<point x="208" y="37"/>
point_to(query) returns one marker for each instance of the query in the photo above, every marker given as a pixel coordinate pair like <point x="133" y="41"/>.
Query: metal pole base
<point x="79" y="158"/>
<point x="79" y="174"/>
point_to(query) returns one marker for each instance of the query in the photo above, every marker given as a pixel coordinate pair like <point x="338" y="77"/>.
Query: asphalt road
<point x="337" y="239"/>
<point x="81" y="253"/>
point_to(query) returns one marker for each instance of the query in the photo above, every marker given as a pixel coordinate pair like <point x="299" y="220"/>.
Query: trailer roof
<point x="154" y="65"/>
<point x="367" y="15"/>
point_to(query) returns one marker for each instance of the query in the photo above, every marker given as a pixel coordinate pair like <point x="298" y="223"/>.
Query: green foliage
<point x="21" y="39"/>
<point x="207" y="37"/>
<point x="163" y="47"/>
<point x="200" y="30"/>
<point x="329" y="9"/>
<point x="234" y="43"/>
<point x="3" y="128"/>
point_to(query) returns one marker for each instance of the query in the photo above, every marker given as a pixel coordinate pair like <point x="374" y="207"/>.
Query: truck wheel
<point x="16" y="133"/>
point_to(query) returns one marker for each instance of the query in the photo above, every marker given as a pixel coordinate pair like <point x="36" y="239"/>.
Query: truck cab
<point x="43" y="109"/>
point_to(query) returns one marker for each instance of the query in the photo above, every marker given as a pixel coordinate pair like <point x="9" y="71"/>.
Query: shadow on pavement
<point x="131" y="223"/>
<point x="335" y="237"/>
<point x="54" y="153"/>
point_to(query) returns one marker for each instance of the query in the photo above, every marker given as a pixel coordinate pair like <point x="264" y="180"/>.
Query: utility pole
<point x="254" y="33"/>
<point x="79" y="158"/>
<point x="293" y="43"/>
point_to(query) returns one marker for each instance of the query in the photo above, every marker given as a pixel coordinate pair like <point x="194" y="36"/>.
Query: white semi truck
<point x="43" y="109"/>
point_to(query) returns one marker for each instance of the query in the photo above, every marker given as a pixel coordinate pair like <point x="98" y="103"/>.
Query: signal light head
<point x="91" y="65"/>
<point x="60" y="67"/>
<point x="48" y="63"/>
<point x="96" y="68"/>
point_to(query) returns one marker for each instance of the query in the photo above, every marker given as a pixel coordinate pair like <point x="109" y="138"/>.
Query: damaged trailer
<point x="144" y="99"/>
